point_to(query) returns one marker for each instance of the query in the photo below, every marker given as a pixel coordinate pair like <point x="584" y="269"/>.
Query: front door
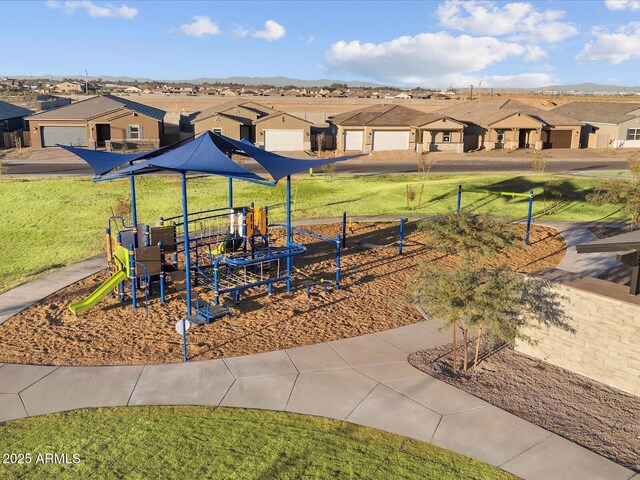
<point x="103" y="133"/>
<point x="523" y="140"/>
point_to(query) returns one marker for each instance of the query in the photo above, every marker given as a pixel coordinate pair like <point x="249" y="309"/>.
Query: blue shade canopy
<point x="200" y="155"/>
<point x="103" y="162"/>
<point x="277" y="165"/>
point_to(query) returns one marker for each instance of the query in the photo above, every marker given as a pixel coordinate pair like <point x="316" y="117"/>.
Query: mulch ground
<point x="112" y="333"/>
<point x="591" y="414"/>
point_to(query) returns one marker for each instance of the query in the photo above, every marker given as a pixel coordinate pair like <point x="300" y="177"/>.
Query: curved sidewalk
<point x="365" y="380"/>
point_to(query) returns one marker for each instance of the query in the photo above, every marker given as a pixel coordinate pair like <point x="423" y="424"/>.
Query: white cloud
<point x="95" y="11"/>
<point x="240" y="32"/>
<point x="431" y="59"/>
<point x="622" y="4"/>
<point x="272" y="31"/>
<point x="200" y="27"/>
<point x="516" y="21"/>
<point x="307" y="40"/>
<point x="612" y="47"/>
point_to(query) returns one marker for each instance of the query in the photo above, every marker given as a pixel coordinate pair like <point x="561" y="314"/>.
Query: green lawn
<point x="50" y="222"/>
<point x="204" y="442"/>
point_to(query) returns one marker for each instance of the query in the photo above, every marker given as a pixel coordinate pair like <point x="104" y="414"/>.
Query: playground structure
<point x="528" y="195"/>
<point x="228" y="249"/>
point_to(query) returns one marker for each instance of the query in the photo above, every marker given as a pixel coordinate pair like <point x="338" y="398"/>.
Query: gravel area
<point x="591" y="414"/>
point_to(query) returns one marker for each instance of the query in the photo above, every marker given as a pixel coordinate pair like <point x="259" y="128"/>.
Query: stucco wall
<point x="606" y="342"/>
<point x="230" y="128"/>
<point x="283" y="122"/>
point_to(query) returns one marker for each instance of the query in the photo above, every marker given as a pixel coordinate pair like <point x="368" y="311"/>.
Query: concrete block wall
<point x="606" y="344"/>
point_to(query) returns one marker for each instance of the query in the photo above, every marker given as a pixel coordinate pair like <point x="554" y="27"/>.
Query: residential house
<point x="609" y="124"/>
<point x="403" y="96"/>
<point x="69" y="87"/>
<point x="132" y="89"/>
<point x="267" y="128"/>
<point x="12" y="118"/>
<point x="98" y="122"/>
<point x="396" y="127"/>
<point x="183" y="88"/>
<point x="511" y="124"/>
<point x="11" y="85"/>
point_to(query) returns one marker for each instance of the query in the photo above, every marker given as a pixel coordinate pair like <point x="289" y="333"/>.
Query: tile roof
<point x="9" y="110"/>
<point x="488" y="112"/>
<point x="388" y="115"/>
<point x="98" y="106"/>
<point x="238" y="102"/>
<point x="599" y="112"/>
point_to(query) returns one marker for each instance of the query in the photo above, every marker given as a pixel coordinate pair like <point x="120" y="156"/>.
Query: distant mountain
<point x="275" y="81"/>
<point x="589" y="87"/>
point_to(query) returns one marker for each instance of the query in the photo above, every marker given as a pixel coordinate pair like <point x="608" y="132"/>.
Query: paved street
<point x="59" y="162"/>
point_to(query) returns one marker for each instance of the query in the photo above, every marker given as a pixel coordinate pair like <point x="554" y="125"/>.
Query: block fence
<point x="606" y="343"/>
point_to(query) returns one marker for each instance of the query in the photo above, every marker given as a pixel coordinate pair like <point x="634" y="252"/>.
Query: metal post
<point x="338" y="262"/>
<point x="459" y="199"/>
<point x="121" y="285"/>
<point x="401" y="236"/>
<point x="230" y="192"/>
<point x="289" y="262"/>
<point x="187" y="256"/>
<point x="526" y="238"/>
<point x="184" y="335"/>
<point x="134" y="213"/>
<point x="344" y="229"/>
<point x="162" y="296"/>
<point x="132" y="264"/>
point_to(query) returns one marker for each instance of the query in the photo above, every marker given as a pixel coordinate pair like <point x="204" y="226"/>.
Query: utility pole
<point x="471" y="91"/>
<point x="86" y="82"/>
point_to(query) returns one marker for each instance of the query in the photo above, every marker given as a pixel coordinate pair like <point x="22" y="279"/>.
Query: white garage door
<point x="390" y="140"/>
<point x="69" y="135"/>
<point x="283" y="140"/>
<point x="353" y="140"/>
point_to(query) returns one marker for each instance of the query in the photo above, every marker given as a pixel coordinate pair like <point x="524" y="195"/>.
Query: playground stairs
<point x="204" y="311"/>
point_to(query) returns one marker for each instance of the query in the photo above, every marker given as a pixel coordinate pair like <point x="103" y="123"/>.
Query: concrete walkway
<point x="365" y="380"/>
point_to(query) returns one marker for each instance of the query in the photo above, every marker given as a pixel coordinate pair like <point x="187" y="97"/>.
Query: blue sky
<point x="429" y="44"/>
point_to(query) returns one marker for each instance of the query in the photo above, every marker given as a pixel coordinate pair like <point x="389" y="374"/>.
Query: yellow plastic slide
<point x="101" y="292"/>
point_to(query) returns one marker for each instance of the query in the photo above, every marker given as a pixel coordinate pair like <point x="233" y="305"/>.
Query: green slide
<point x="101" y="292"/>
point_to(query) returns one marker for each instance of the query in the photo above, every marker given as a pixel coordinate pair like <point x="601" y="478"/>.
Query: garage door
<point x="390" y="141"/>
<point x="559" y="139"/>
<point x="74" y="136"/>
<point x="283" y="140"/>
<point x="354" y="140"/>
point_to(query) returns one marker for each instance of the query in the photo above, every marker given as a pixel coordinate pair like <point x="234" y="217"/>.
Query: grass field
<point x="52" y="222"/>
<point x="203" y="442"/>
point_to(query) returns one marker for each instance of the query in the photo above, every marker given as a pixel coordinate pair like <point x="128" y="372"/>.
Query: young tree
<point x="499" y="302"/>
<point x="539" y="161"/>
<point x="624" y="193"/>
<point x="472" y="235"/>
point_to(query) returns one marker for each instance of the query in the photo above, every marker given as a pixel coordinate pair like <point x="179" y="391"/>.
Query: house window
<point x="446" y="136"/>
<point x="633" y="133"/>
<point x="134" y="132"/>
<point x="500" y="133"/>
<point x="218" y="131"/>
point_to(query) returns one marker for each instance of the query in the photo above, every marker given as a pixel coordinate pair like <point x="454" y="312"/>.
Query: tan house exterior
<point x="69" y="87"/>
<point x="98" y="122"/>
<point x="395" y="127"/>
<point x="267" y="128"/>
<point x="509" y="124"/>
<point x="608" y="124"/>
